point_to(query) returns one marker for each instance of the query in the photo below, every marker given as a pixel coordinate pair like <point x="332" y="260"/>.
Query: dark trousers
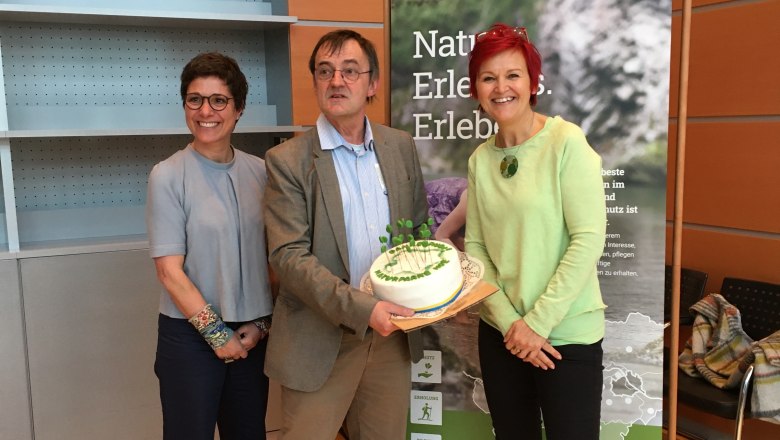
<point x="199" y="391"/>
<point x="519" y="395"/>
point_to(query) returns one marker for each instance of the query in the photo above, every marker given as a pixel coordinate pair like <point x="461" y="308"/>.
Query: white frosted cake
<point x="424" y="276"/>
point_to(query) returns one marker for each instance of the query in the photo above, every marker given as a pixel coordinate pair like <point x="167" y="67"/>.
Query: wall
<point x="732" y="202"/>
<point x="315" y="18"/>
<point x="732" y="185"/>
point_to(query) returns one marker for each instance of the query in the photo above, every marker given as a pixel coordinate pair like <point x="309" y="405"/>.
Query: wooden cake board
<point x="475" y="296"/>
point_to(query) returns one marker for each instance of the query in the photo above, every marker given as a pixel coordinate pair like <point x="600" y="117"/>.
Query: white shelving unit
<point x="90" y="101"/>
<point x="212" y="14"/>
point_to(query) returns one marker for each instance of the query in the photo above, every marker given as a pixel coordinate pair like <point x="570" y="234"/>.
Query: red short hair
<point x="500" y="38"/>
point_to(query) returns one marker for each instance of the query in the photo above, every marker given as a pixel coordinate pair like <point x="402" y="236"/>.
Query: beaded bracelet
<point x="211" y="327"/>
<point x="263" y="324"/>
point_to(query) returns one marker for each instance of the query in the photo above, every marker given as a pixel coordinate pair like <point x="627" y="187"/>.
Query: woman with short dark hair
<point x="207" y="239"/>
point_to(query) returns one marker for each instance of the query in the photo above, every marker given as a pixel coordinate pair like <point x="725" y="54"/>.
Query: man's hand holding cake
<point x="380" y="317"/>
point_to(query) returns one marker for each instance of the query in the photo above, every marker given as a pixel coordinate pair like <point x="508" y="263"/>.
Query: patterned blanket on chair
<point x="720" y="352"/>
<point x="765" y="355"/>
<point x="717" y="344"/>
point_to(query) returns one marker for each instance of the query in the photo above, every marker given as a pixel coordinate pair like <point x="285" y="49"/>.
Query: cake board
<point x="476" y="295"/>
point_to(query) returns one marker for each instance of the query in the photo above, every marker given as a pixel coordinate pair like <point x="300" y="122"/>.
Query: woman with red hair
<point x="536" y="218"/>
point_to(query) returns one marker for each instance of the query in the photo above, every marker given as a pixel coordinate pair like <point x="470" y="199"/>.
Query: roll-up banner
<point x="605" y="68"/>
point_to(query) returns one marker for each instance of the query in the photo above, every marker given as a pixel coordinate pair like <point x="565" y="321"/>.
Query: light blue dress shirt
<point x="363" y="195"/>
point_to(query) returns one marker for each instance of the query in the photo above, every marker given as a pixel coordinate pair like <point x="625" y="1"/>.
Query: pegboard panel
<point x="74" y="188"/>
<point x="64" y="173"/>
<point x="67" y="173"/>
<point x="71" y="76"/>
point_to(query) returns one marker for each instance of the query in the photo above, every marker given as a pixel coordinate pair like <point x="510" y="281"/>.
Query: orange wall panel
<point x="721" y="255"/>
<point x="371" y="11"/>
<point x="734" y="67"/>
<point x="731" y="72"/>
<point x="304" y="104"/>
<point x="677" y="4"/>
<point x="731" y="175"/>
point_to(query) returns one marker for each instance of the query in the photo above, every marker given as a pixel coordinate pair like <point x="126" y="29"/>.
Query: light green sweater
<point x="540" y="233"/>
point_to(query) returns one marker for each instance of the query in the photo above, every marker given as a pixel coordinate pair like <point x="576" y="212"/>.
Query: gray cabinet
<point x="90" y="101"/>
<point x="15" y="422"/>
<point x="91" y="322"/>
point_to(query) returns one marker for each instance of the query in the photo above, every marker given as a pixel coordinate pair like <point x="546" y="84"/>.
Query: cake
<point x="421" y="275"/>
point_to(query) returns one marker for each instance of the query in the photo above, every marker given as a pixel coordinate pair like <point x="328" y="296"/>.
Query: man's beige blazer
<point x="307" y="246"/>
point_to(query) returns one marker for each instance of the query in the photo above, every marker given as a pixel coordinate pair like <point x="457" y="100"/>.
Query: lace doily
<point x="472" y="272"/>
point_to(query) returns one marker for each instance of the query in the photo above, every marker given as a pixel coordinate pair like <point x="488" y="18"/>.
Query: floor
<point x="711" y="435"/>
<point x="275" y="435"/>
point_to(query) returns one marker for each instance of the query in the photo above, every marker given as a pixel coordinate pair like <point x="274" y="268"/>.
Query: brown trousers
<point x="370" y="385"/>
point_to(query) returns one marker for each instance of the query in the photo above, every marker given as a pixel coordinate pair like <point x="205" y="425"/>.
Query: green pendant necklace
<point x="509" y="164"/>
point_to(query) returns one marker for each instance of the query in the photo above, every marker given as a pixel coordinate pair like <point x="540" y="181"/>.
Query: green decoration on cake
<point x="409" y="256"/>
<point x="401" y="241"/>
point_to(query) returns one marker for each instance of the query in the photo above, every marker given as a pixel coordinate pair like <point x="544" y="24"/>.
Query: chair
<point x="759" y="306"/>
<point x="692" y="284"/>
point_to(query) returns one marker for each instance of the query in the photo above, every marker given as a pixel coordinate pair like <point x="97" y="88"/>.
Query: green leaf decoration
<point x="389" y="229"/>
<point x="384" y="248"/>
<point x="383" y="239"/>
<point x="409" y="224"/>
<point x="430" y="221"/>
<point x="400" y="223"/>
